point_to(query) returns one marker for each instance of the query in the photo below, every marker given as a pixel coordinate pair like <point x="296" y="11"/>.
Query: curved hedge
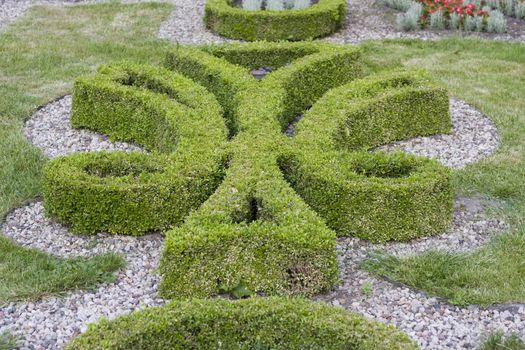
<point x="379" y="196"/>
<point x="316" y="21"/>
<point x="137" y="193"/>
<point x="256" y="323"/>
<point x="238" y="224"/>
<point x="254" y="230"/>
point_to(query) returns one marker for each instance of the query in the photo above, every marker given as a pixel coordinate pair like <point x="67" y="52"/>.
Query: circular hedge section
<point x="318" y="20"/>
<point x="255" y="323"/>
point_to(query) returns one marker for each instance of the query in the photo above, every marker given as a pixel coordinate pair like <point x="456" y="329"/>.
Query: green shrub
<point x="410" y="19"/>
<point x="318" y="20"/>
<point x="256" y="323"/>
<point x="135" y="193"/>
<point x="254" y="233"/>
<point x="254" y="230"/>
<point x="379" y="196"/>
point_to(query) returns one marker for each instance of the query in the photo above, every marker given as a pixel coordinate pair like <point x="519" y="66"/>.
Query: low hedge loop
<point x="255" y="229"/>
<point x="256" y="323"/>
<point x="318" y="20"/>
<point x="377" y="197"/>
<point x="136" y="193"/>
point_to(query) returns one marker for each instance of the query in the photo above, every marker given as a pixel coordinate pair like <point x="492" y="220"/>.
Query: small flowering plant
<point x="448" y="7"/>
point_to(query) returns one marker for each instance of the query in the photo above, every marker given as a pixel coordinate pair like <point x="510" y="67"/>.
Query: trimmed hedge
<point x="254" y="231"/>
<point x="318" y="20"/>
<point x="379" y="196"/>
<point x="136" y="193"/>
<point x="256" y="323"/>
<point x="244" y="225"/>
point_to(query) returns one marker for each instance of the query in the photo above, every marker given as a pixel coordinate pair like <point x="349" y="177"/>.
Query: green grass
<point x="7" y="341"/>
<point x="42" y="53"/>
<point x="497" y="341"/>
<point x="490" y="76"/>
<point x="30" y="274"/>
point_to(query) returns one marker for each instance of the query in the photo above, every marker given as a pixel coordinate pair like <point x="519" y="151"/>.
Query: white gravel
<point x="473" y="136"/>
<point x="49" y="130"/>
<point x="186" y="26"/>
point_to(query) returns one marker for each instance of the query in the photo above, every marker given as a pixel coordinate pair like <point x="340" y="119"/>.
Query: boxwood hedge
<point x="256" y="323"/>
<point x="254" y="230"/>
<point x="379" y="196"/>
<point x="178" y="120"/>
<point x="318" y="20"/>
<point x="244" y="225"/>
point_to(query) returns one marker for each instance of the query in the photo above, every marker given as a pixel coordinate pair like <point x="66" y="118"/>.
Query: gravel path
<point x="49" y="323"/>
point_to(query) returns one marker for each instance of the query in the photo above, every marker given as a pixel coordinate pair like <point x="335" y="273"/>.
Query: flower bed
<point x="256" y="323"/>
<point x="472" y="16"/>
<point x="318" y="20"/>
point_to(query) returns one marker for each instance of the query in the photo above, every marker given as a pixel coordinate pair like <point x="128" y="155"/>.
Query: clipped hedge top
<point x="315" y="21"/>
<point x="255" y="323"/>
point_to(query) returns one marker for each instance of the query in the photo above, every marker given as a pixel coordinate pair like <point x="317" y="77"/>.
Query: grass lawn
<point x="43" y="52"/>
<point x="7" y="341"/>
<point x="491" y="77"/>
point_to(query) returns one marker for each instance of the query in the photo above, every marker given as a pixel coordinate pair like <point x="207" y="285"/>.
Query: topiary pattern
<point x="248" y="206"/>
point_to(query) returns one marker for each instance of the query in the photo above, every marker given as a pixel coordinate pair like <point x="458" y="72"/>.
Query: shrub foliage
<point x="315" y="21"/>
<point x="259" y="213"/>
<point x="256" y="323"/>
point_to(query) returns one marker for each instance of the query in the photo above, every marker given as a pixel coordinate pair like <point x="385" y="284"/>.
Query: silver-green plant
<point x="493" y="4"/>
<point x="479" y="23"/>
<point x="401" y="5"/>
<point x="519" y="11"/>
<point x="454" y="21"/>
<point x="288" y="4"/>
<point x="275" y="5"/>
<point x="301" y="4"/>
<point x="469" y="24"/>
<point x="437" y="21"/>
<point x="252" y="5"/>
<point x="410" y="19"/>
<point x="507" y="7"/>
<point x="496" y="22"/>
